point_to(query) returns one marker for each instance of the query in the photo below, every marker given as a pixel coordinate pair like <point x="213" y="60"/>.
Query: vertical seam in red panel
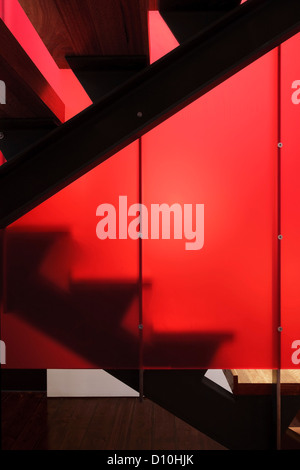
<point x="279" y="250"/>
<point x="141" y="372"/>
<point x="279" y="208"/>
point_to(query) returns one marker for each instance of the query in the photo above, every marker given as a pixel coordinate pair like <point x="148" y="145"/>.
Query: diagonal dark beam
<point x="159" y="91"/>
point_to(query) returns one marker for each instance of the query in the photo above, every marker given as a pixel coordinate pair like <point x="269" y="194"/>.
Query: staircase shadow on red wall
<point x="88" y="317"/>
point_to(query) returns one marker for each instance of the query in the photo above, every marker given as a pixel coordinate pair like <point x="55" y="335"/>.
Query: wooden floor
<point x="31" y="421"/>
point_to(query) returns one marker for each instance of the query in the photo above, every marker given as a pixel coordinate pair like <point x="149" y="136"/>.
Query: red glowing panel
<point x="214" y="307"/>
<point x="161" y="39"/>
<point x="71" y="299"/>
<point x="290" y="204"/>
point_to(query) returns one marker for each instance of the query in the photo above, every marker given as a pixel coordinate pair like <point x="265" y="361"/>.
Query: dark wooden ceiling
<point x="90" y="27"/>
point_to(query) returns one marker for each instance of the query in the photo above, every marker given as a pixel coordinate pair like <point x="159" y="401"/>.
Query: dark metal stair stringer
<point x="185" y="18"/>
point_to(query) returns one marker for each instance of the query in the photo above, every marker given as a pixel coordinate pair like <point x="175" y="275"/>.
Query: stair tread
<point x="28" y="94"/>
<point x="294" y="433"/>
<point x="295" y="429"/>
<point x="259" y="381"/>
<point x="89" y="30"/>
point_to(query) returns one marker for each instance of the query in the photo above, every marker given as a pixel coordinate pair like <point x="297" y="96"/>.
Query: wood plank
<point x="28" y="94"/>
<point x="121" y="425"/>
<point x="92" y="27"/>
<point x="163" y="420"/>
<point x="189" y="438"/>
<point x="140" y="435"/>
<point x="57" y="423"/>
<point x="99" y="430"/>
<point x="294" y="433"/>
<point x="83" y="412"/>
<point x="31" y="433"/>
<point x="259" y="381"/>
<point x="15" y="413"/>
<point x="31" y="421"/>
<point x="53" y="405"/>
<point x="153" y="5"/>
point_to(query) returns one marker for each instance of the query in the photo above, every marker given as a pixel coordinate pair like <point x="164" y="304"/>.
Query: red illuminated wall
<point x="290" y="203"/>
<point x="72" y="300"/>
